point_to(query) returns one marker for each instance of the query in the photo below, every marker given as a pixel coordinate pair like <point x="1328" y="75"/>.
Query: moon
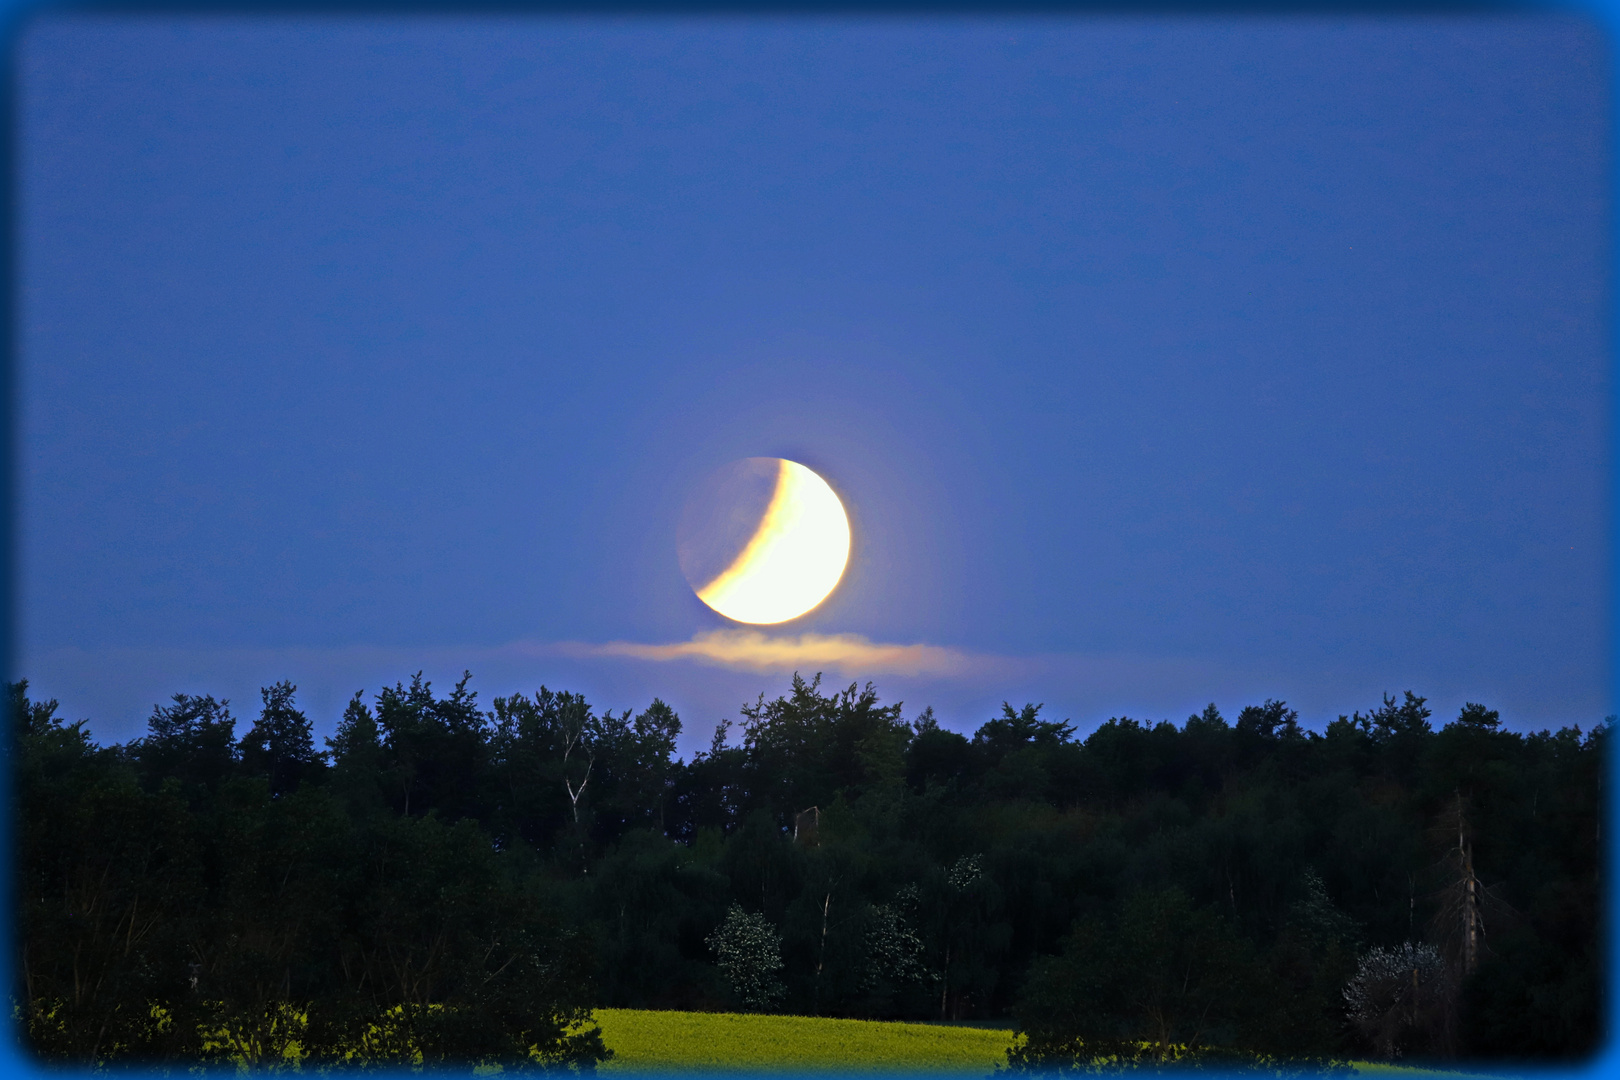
<point x="764" y="540"/>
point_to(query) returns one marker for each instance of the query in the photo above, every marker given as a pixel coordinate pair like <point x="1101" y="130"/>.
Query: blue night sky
<point x="1157" y="361"/>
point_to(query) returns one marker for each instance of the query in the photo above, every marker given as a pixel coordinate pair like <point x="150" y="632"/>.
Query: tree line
<point x="448" y="883"/>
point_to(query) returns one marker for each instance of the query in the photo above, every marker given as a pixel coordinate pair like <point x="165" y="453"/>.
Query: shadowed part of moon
<point x="793" y="559"/>
<point x="722" y="515"/>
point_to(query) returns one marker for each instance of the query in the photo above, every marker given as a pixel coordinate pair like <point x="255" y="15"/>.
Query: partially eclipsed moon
<point x="766" y="541"/>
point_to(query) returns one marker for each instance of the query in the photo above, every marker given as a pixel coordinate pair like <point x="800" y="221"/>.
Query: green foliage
<point x="437" y="748"/>
<point x="177" y="908"/>
<point x="749" y="951"/>
<point x="1166" y="980"/>
<point x="1316" y="919"/>
<point x="280" y="745"/>
<point x="449" y="883"/>
<point x="1398" y="999"/>
<point x="191" y="744"/>
<point x="808" y="745"/>
<point x="111" y="879"/>
<point x="895" y="954"/>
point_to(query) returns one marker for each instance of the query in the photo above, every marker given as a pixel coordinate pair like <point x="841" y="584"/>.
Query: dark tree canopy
<point x="448" y="883"/>
<point x="280" y="746"/>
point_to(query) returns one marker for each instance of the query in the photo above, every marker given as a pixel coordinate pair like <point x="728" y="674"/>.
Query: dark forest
<point x="449" y="883"/>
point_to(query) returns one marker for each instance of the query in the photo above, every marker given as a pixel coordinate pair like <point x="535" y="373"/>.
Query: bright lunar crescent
<point x="764" y="540"/>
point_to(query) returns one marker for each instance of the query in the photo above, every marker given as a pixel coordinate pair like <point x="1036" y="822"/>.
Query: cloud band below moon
<point x="753" y="650"/>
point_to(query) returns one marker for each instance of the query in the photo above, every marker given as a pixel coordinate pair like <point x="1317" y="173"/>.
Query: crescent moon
<point x="795" y="558"/>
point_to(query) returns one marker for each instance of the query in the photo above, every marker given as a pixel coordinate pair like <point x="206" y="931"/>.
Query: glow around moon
<point x="788" y="562"/>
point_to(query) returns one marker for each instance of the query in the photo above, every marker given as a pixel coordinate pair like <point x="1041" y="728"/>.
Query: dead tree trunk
<point x="821" y="954"/>
<point x="578" y="738"/>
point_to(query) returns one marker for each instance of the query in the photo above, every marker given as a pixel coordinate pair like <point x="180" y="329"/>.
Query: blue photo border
<point x="15" y="1061"/>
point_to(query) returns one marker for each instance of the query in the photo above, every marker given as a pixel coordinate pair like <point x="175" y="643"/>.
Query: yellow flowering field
<point x="648" y="1041"/>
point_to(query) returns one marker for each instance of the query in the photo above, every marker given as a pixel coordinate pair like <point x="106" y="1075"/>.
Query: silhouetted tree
<point x="280" y="745"/>
<point x="191" y="741"/>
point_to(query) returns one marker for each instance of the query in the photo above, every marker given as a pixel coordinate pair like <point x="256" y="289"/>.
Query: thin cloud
<point x="752" y="650"/>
